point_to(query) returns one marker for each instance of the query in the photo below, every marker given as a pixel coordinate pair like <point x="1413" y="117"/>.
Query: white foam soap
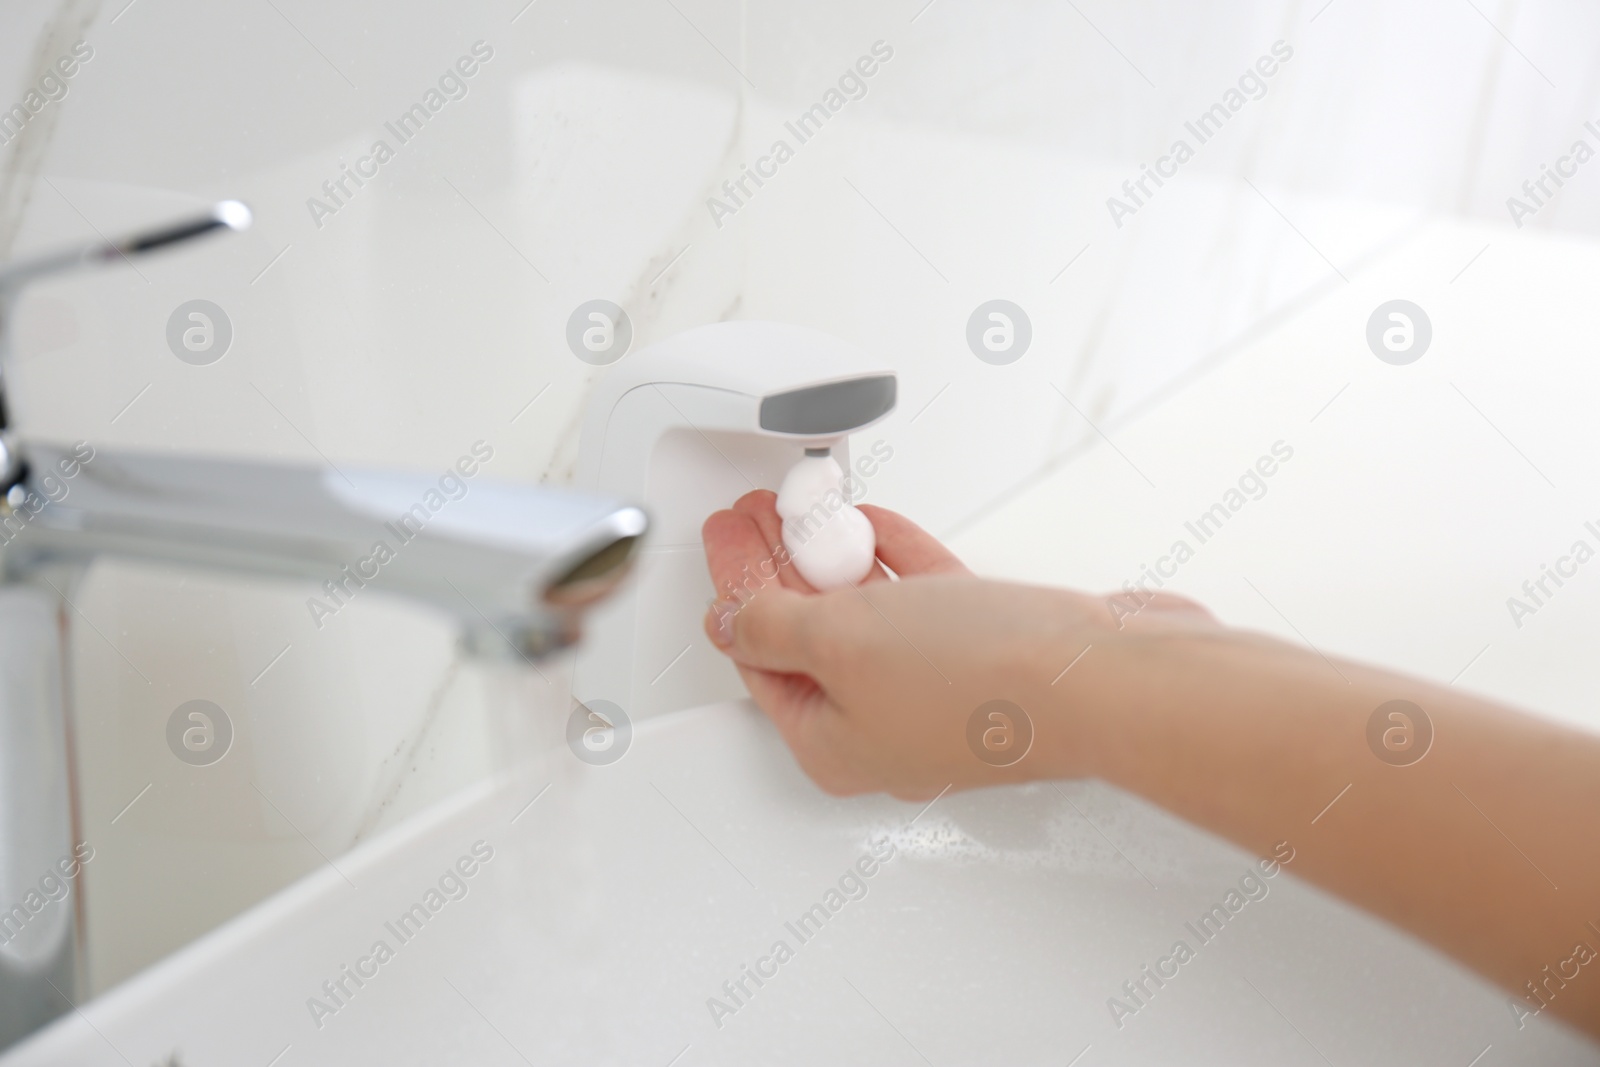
<point x="830" y="541"/>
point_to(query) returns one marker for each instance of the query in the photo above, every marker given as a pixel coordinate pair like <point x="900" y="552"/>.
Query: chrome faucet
<point x="518" y="566"/>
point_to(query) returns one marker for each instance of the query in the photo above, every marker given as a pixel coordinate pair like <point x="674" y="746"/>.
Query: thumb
<point x="770" y="631"/>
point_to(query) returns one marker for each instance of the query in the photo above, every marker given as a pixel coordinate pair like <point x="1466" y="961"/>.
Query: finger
<point x="769" y="630"/>
<point x="736" y="554"/>
<point x="761" y="506"/>
<point x="1163" y="610"/>
<point x="811" y="725"/>
<point x="907" y="548"/>
<point x="786" y="699"/>
<point x="1176" y="604"/>
<point x="1144" y="610"/>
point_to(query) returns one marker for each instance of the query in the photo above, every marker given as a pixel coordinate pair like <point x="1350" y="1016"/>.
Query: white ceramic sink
<point x="625" y="896"/>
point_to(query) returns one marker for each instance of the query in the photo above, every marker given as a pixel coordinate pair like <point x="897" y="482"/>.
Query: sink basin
<point x="616" y="914"/>
<point x="571" y="913"/>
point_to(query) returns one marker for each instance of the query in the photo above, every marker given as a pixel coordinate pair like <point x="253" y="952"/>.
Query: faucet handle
<point x="229" y="215"/>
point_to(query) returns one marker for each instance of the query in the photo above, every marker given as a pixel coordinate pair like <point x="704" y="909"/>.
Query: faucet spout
<point x="516" y="566"/>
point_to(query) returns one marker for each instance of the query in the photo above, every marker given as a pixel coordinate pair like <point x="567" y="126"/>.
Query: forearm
<point x="1485" y="846"/>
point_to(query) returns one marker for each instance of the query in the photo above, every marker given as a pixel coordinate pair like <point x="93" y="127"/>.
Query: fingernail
<point x="721" y="618"/>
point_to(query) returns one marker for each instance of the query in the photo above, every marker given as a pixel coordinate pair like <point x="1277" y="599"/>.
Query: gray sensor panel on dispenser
<point x="834" y="408"/>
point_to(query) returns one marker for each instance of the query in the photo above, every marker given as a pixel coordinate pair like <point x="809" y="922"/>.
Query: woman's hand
<point x="873" y="687"/>
<point x="1266" y="743"/>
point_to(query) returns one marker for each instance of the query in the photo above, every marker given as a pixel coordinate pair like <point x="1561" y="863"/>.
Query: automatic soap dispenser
<point x="686" y="427"/>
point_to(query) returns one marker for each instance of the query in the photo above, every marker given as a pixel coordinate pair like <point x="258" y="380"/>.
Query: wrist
<point x="1086" y="700"/>
<point x="1087" y="682"/>
<point x="1168" y="694"/>
<point x="1118" y="709"/>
